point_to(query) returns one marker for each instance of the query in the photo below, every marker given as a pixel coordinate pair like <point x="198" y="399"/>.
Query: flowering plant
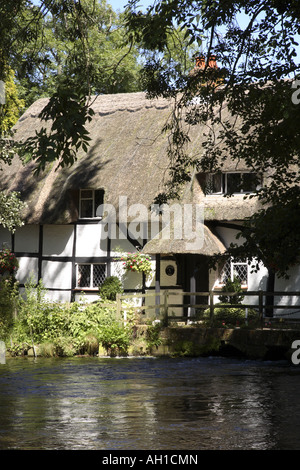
<point x="137" y="262"/>
<point x="8" y="261"/>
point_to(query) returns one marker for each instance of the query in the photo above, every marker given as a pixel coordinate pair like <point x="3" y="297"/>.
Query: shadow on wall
<point x="58" y="240"/>
<point x="263" y="282"/>
<point x="57" y="274"/>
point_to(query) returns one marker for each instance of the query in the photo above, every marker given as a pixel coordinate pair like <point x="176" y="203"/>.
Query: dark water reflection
<point x="148" y="404"/>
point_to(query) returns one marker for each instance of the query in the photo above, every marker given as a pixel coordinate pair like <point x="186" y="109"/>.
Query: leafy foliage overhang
<point x="255" y="44"/>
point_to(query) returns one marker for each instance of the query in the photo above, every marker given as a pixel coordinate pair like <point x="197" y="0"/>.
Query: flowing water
<point x="148" y="404"/>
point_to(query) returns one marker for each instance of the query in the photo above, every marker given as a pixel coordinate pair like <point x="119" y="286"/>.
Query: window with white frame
<point x="232" y="270"/>
<point x="90" y="201"/>
<point x="90" y="276"/>
<point x="232" y="183"/>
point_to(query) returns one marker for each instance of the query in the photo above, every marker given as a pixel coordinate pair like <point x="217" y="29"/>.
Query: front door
<point x="194" y="277"/>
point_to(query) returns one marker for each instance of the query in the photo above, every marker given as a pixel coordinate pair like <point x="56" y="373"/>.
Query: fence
<point x="261" y="304"/>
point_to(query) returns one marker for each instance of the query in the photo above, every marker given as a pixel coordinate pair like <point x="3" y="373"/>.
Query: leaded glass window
<point x="233" y="270"/>
<point x="90" y="275"/>
<point x="99" y="274"/>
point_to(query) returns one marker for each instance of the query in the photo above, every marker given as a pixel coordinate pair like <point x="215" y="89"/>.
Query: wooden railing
<point x="261" y="304"/>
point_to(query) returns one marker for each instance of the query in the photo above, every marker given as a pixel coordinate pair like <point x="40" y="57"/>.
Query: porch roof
<point x="206" y="244"/>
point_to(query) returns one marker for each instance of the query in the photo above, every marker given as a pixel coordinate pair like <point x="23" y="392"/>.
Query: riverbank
<point x="191" y="341"/>
<point x="263" y="343"/>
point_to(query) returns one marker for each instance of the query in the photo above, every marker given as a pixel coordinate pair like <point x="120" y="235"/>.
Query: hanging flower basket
<point x="8" y="262"/>
<point x="137" y="262"/>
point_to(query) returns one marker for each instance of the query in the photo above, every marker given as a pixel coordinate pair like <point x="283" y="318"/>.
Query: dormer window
<point x="232" y="183"/>
<point x="90" y="201"/>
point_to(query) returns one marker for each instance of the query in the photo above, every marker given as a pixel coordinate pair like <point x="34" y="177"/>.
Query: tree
<point x="67" y="51"/>
<point x="12" y="105"/>
<point x="11" y="206"/>
<point x="84" y="39"/>
<point x="232" y="286"/>
<point x="255" y="43"/>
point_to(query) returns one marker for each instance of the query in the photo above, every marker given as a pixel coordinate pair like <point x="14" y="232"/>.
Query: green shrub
<point x="114" y="338"/>
<point x="38" y="319"/>
<point x="153" y="335"/>
<point x="64" y="346"/>
<point x="62" y="329"/>
<point x="229" y="316"/>
<point x="66" y="329"/>
<point x="90" y="344"/>
<point x="8" y="305"/>
<point x="110" y="288"/>
<point x="47" y="350"/>
<point x="232" y="286"/>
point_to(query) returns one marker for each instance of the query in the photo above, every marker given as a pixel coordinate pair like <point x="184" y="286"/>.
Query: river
<point x="192" y="404"/>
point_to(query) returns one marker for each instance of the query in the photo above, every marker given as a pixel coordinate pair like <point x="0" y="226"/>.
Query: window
<point x="89" y="202"/>
<point x="214" y="184"/>
<point x="232" y="183"/>
<point x="233" y="269"/>
<point x="90" y="276"/>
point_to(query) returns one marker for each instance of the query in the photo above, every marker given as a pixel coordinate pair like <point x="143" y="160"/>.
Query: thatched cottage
<point x="65" y="240"/>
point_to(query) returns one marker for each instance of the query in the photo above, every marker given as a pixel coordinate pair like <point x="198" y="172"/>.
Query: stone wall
<point x="265" y="343"/>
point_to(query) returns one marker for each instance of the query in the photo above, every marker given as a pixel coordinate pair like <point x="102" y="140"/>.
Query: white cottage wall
<point x="28" y="270"/>
<point x="90" y="240"/>
<point x="58" y="240"/>
<point x="48" y="252"/>
<point x="256" y="280"/>
<point x="228" y="235"/>
<point x="288" y="285"/>
<point x="130" y="281"/>
<point x="27" y="239"/>
<point x="81" y="296"/>
<point x="57" y="279"/>
<point x="57" y="274"/>
<point x="122" y="246"/>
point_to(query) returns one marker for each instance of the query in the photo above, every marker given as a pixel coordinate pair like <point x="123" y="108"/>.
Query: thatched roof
<point x="208" y="244"/>
<point x="127" y="157"/>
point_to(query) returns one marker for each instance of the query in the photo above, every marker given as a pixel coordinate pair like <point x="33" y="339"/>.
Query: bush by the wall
<point x="8" y="304"/>
<point x="232" y="286"/>
<point x="227" y="316"/>
<point x="114" y="338"/>
<point x="65" y="329"/>
<point x="110" y="288"/>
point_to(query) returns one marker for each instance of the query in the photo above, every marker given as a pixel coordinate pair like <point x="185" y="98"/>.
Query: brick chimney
<point x="200" y="62"/>
<point x="212" y="62"/>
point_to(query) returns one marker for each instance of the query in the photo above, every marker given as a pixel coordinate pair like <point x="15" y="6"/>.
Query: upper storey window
<point x="90" y="202"/>
<point x="232" y="183"/>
